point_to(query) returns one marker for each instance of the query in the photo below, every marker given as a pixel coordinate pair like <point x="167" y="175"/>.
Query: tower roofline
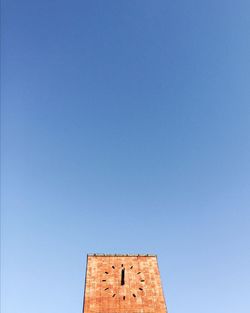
<point x="120" y="255"/>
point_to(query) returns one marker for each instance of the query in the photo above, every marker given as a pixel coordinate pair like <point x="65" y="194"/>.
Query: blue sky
<point x="125" y="128"/>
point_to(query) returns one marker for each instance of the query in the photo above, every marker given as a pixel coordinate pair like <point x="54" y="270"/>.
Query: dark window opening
<point x="142" y="280"/>
<point x="113" y="295"/>
<point x="113" y="267"/>
<point x="123" y="297"/>
<point x="138" y="273"/>
<point x="131" y="267"/>
<point x="134" y="295"/>
<point x="106" y="288"/>
<point x="140" y="288"/>
<point x="106" y="272"/>
<point x="104" y="280"/>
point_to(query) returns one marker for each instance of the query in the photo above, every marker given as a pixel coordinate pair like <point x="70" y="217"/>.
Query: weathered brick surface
<point x="140" y="293"/>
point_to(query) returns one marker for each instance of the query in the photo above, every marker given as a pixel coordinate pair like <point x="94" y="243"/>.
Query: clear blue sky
<point x="126" y="128"/>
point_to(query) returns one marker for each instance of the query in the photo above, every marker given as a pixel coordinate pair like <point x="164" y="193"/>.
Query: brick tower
<point x="123" y="284"/>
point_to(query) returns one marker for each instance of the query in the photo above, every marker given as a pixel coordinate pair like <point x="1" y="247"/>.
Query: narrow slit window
<point x="106" y="288"/>
<point x="113" y="295"/>
<point x="123" y="297"/>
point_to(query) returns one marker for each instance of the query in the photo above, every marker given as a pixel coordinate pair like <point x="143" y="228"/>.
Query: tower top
<point x="119" y="255"/>
<point x="123" y="283"/>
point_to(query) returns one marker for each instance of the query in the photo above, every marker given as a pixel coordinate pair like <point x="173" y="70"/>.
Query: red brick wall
<point x="141" y="292"/>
